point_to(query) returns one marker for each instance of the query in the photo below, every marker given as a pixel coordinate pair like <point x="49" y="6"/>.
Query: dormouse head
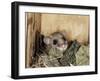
<point x="57" y="40"/>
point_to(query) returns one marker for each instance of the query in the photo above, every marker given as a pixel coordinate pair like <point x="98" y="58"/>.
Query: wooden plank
<point x="33" y="21"/>
<point x="76" y="26"/>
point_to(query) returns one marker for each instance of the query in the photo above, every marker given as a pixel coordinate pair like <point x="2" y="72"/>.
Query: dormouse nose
<point x="55" y="41"/>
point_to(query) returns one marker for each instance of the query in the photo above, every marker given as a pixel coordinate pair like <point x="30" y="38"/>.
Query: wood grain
<point x="33" y="21"/>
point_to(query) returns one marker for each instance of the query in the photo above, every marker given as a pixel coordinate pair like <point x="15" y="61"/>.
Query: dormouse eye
<point x="55" y="41"/>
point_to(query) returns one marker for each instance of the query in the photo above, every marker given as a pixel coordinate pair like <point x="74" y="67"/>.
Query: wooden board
<point x="33" y="27"/>
<point x="76" y="26"/>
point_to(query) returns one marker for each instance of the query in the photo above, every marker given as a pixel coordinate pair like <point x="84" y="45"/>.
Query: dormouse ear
<point x="64" y="33"/>
<point x="47" y="40"/>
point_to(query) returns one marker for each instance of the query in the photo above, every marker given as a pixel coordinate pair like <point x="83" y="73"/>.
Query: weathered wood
<point x="76" y="26"/>
<point x="33" y="21"/>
